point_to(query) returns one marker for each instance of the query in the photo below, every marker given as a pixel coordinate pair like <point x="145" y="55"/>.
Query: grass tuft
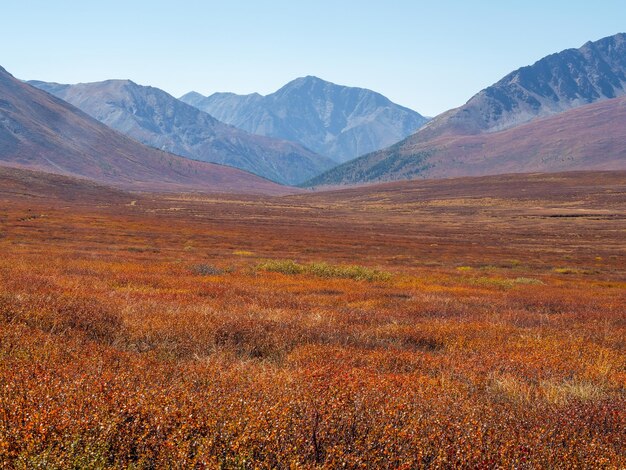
<point x="528" y="281"/>
<point x="243" y="253"/>
<point x="564" y="392"/>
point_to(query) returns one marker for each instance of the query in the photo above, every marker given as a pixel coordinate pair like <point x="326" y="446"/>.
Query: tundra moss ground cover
<point x="346" y="329"/>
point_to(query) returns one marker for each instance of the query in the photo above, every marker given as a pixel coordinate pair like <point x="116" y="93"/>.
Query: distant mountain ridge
<point x="157" y="119"/>
<point x="591" y="137"/>
<point x="490" y="127"/>
<point x="338" y="121"/>
<point x="556" y="83"/>
<point x="42" y="132"/>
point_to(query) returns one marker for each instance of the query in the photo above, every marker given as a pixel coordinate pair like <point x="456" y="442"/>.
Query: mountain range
<point x="501" y="129"/>
<point x="42" y="132"/>
<point x="337" y="121"/>
<point x="155" y="118"/>
<point x="565" y="112"/>
<point x="591" y="137"/>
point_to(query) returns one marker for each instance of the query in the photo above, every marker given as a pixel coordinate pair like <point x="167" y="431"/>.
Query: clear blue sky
<point x="427" y="55"/>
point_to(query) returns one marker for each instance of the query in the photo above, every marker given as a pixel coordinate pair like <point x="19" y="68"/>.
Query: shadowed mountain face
<point x="159" y="120"/>
<point x="39" y="131"/>
<point x="560" y="82"/>
<point x="338" y="121"/>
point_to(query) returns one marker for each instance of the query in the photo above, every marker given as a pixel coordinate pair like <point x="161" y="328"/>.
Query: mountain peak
<point x="558" y="82"/>
<point x="40" y="131"/>
<point x="333" y="120"/>
<point x="155" y="118"/>
<point x="308" y="79"/>
<point x="192" y="95"/>
<point x="305" y="83"/>
<point x="579" y="94"/>
<point x="114" y="83"/>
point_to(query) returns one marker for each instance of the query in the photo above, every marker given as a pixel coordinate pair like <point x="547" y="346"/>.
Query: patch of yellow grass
<point x="511" y="388"/>
<point x="325" y="270"/>
<point x="566" y="270"/>
<point x="562" y="392"/>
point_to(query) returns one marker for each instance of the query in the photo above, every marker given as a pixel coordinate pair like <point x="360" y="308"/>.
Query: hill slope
<point x="338" y="121"/>
<point x="39" y="131"/>
<point x="556" y="83"/>
<point x="450" y="144"/>
<point x="591" y="137"/>
<point x="20" y="184"/>
<point x="159" y="120"/>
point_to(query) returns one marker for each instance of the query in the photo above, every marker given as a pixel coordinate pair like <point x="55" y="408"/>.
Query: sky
<point x="427" y="55"/>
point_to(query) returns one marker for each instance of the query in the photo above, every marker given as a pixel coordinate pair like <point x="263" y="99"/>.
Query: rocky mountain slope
<point x="591" y="137"/>
<point x="557" y="83"/>
<point x="159" y="120"/>
<point x="39" y="131"/>
<point x="338" y="121"/>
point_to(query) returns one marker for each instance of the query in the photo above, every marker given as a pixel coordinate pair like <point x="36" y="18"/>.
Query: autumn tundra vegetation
<point x="472" y="322"/>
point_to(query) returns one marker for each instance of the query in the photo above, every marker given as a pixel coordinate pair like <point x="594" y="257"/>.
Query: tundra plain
<point x="471" y="322"/>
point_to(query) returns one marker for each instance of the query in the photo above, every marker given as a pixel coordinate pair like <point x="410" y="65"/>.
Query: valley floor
<point x="476" y="322"/>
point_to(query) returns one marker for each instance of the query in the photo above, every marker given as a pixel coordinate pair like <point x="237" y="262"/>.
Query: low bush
<point x="207" y="270"/>
<point x="281" y="266"/>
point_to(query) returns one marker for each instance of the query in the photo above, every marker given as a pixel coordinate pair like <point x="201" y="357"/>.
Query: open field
<point x="477" y="322"/>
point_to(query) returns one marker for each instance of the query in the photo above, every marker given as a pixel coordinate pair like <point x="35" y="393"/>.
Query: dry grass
<point x="572" y="390"/>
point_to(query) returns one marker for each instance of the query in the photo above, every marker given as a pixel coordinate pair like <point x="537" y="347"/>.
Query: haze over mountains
<point x="338" y="121"/>
<point x="159" y="120"/>
<point x="42" y="132"/>
<point x="468" y="141"/>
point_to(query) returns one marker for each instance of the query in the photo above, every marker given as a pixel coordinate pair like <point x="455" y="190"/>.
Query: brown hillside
<point x="41" y="132"/>
<point x="591" y="137"/>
